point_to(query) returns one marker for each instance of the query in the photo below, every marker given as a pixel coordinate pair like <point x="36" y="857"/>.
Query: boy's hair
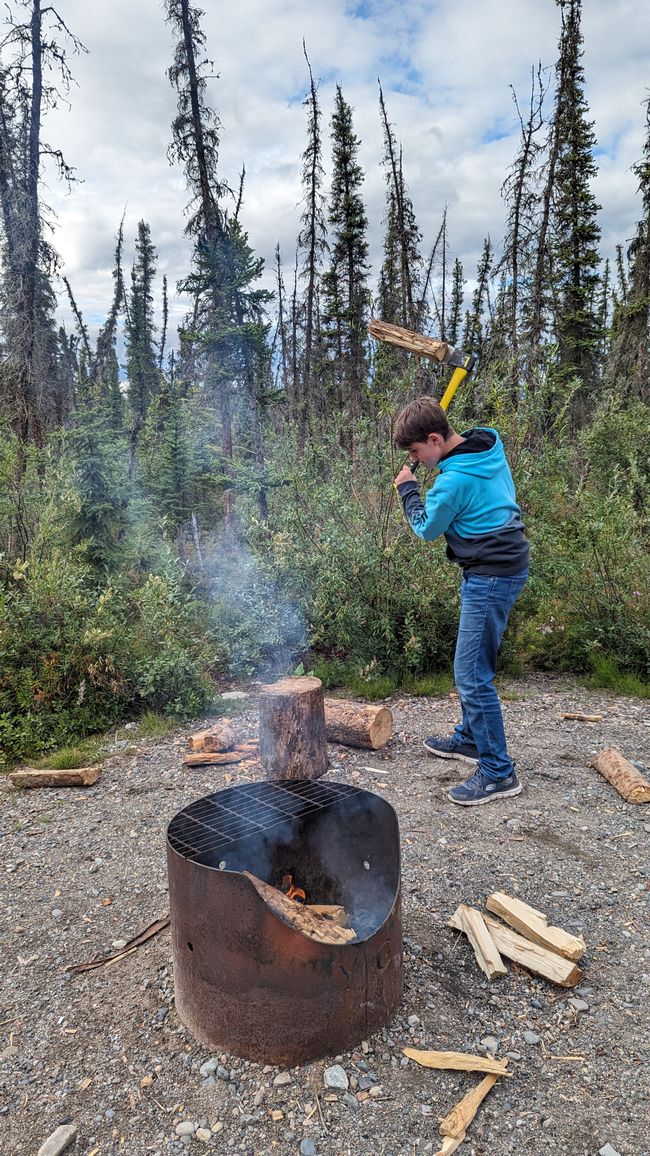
<point x="418" y="419"/>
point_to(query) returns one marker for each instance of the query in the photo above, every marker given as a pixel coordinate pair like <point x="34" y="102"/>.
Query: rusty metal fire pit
<point x="246" y="981"/>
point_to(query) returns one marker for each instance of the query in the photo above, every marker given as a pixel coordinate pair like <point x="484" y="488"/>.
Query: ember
<point x="290" y="891"/>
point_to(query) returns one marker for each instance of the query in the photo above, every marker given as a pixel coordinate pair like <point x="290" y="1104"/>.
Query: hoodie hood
<point x="482" y="454"/>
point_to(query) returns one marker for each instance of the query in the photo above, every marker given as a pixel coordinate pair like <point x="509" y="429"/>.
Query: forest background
<point x="182" y="509"/>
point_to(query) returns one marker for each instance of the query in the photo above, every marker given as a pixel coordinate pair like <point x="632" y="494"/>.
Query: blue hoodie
<point x="472" y="502"/>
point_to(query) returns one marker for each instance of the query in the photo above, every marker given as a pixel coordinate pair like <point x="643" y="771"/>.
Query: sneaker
<point x="479" y="789"/>
<point x="451" y="749"/>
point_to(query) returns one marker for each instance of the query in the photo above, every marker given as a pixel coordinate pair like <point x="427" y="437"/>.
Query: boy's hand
<point x="404" y="475"/>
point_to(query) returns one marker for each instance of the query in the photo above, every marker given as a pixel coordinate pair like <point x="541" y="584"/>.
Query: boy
<point x="472" y="502"/>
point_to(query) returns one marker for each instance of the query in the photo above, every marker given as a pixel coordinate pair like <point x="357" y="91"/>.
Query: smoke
<point x="257" y="622"/>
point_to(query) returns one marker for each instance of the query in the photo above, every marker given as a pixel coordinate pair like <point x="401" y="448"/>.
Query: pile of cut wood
<point x="325" y="922"/>
<point x="219" y="745"/>
<point x="529" y="940"/>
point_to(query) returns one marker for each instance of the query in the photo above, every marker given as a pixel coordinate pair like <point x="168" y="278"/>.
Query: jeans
<point x="485" y="605"/>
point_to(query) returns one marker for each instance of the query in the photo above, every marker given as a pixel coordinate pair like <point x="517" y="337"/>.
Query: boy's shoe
<point x="450" y="748"/>
<point x="479" y="789"/>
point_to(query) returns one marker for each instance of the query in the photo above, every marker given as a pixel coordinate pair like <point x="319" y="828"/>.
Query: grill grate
<point x="217" y="821"/>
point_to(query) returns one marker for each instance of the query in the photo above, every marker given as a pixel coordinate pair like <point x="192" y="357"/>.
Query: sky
<point x="446" y="67"/>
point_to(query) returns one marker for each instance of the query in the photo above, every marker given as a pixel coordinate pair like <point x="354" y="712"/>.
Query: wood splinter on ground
<point x="625" y="778"/>
<point x="457" y="1061"/>
<point x="458" y="1120"/>
<point x="76" y="777"/>
<point x="577" y="717"/>
<point x="318" y="926"/>
<point x="534" y="925"/>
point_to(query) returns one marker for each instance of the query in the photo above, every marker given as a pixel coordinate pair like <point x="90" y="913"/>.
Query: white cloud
<point x="445" y="69"/>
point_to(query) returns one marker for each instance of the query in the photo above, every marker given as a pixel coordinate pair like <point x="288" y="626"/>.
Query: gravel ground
<point x="83" y="870"/>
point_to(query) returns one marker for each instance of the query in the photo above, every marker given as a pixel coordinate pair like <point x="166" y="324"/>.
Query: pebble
<point x="185" y="1128"/>
<point x="579" y="1004"/>
<point x="209" y="1067"/>
<point x="336" y="1077"/>
<point x="607" y="1150"/>
<point x="532" y="1037"/>
<point x="58" y="1141"/>
<point x="281" y="1079"/>
<point x="308" y="1148"/>
<point x="413" y="1021"/>
<point x="203" y="1134"/>
<point x="490" y="1043"/>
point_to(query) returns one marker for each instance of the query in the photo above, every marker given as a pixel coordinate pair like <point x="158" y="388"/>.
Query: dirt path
<point x="82" y="870"/>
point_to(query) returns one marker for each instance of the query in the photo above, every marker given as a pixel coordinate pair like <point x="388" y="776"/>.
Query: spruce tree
<point x="345" y="289"/>
<point x="575" y="232"/>
<point x="456" y="303"/>
<point x="141" y="357"/>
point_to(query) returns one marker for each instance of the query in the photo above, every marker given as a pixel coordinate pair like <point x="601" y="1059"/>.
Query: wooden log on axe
<point x="440" y="351"/>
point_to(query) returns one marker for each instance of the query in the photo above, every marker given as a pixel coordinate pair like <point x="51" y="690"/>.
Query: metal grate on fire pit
<point x="211" y="824"/>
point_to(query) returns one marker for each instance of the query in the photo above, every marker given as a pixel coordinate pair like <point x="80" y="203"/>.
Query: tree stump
<point x="293" y="740"/>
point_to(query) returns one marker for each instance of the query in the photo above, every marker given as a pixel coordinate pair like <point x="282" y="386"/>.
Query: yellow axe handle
<point x="457" y="376"/>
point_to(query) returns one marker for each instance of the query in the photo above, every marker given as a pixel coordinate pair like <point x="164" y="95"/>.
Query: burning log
<point x="299" y="916"/>
<point x="293" y="741"/>
<point x="357" y="724"/>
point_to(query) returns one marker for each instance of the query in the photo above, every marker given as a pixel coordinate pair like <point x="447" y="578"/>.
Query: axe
<point x="440" y="351"/>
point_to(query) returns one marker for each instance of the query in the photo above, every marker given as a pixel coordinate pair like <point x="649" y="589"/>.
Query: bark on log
<point x="534" y="925"/>
<point x="530" y="955"/>
<point x="408" y="339"/>
<point x="629" y="782"/>
<point x="357" y="724"/>
<point x="458" y="1120"/>
<point x="299" y="917"/>
<point x="77" y="777"/>
<point x="293" y="740"/>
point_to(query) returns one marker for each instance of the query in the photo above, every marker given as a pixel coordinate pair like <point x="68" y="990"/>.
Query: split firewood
<point x="449" y="1145"/>
<point x="221" y="737"/>
<point x="581" y="717"/>
<point x="458" y="1120"/>
<point x="330" y="911"/>
<point x="534" y="925"/>
<point x="629" y="782"/>
<point x="457" y="1061"/>
<point x="206" y="758"/>
<point x="293" y="741"/>
<point x="487" y="956"/>
<point x="537" y="959"/>
<point x="357" y="724"/>
<point x="408" y="339"/>
<point x="299" y="916"/>
<point x="77" y="777"/>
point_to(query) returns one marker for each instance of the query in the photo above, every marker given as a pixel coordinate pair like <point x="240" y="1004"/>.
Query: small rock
<point x="203" y="1134"/>
<point x="413" y="1021"/>
<point x="580" y="1005"/>
<point x="490" y="1043"/>
<point x="209" y="1067"/>
<point x="258" y="1097"/>
<point x="58" y="1141"/>
<point x="336" y="1077"/>
<point x="607" y="1150"/>
<point x="532" y="1037"/>
<point x="217" y="1128"/>
<point x="185" y="1128"/>
<point x="281" y="1079"/>
<point x="351" y="1101"/>
<point x="308" y="1148"/>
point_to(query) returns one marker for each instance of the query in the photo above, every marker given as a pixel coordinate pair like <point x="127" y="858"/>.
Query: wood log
<point x="534" y="925"/>
<point x="299" y="917"/>
<point x="457" y="1061"/>
<point x="530" y="955"/>
<point x="218" y="759"/>
<point x="458" y="1120"/>
<point x="630" y="783"/>
<point x="221" y="738"/>
<point x="293" y="741"/>
<point x="487" y="956"/>
<point x="74" y="777"/>
<point x="408" y="339"/>
<point x="356" y="724"/>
